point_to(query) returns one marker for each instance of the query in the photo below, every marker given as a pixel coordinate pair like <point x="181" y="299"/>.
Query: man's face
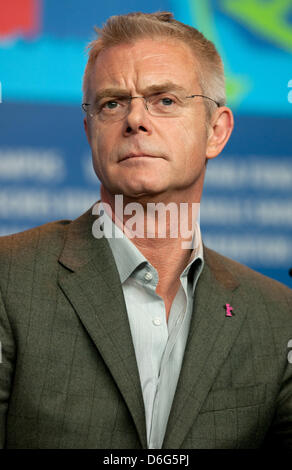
<point x="144" y="155"/>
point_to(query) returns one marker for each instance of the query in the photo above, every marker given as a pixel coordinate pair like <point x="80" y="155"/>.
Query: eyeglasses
<point x="158" y="104"/>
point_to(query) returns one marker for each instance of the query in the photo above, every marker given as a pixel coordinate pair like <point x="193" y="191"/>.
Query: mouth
<point x="136" y="155"/>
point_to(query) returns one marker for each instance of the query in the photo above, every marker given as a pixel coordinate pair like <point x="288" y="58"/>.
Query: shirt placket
<point x="176" y="319"/>
<point x="158" y="333"/>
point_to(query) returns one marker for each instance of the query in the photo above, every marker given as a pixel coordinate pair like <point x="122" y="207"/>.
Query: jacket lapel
<point x="210" y="339"/>
<point x="93" y="287"/>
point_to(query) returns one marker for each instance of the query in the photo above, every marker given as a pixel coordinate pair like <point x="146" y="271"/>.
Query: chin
<point x="136" y="185"/>
<point x="136" y="190"/>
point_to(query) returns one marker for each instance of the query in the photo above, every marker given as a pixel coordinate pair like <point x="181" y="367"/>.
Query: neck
<point x="162" y="230"/>
<point x="154" y="224"/>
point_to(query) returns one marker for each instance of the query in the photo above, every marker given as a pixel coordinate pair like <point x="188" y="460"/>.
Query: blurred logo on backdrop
<point x="254" y="38"/>
<point x="19" y="18"/>
<point x="45" y="164"/>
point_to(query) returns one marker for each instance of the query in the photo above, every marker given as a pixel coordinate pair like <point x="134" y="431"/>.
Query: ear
<point x="86" y="128"/>
<point x="220" y="129"/>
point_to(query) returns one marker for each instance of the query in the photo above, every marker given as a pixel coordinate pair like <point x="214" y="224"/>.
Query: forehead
<point x="144" y="63"/>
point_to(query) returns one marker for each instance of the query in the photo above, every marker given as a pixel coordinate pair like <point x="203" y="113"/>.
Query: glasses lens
<point x="113" y="110"/>
<point x="164" y="104"/>
<point x="159" y="104"/>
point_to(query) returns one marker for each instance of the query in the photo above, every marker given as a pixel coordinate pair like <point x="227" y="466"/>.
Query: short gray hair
<point x="134" y="26"/>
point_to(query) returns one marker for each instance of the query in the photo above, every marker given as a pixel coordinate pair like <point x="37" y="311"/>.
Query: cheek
<point x="190" y="144"/>
<point x="184" y="138"/>
<point x="105" y="142"/>
<point x="97" y="149"/>
<point x="195" y="135"/>
<point x="100" y="145"/>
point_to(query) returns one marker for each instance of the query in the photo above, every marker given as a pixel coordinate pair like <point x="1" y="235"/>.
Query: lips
<point x="135" y="155"/>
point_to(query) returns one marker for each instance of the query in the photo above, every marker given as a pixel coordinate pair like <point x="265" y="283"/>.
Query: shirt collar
<point x="128" y="257"/>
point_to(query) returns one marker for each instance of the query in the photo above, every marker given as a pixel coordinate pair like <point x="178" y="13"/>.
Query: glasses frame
<point x="130" y="98"/>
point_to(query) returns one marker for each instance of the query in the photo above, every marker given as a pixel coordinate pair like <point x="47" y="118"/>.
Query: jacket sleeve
<point x="7" y="356"/>
<point x="279" y="435"/>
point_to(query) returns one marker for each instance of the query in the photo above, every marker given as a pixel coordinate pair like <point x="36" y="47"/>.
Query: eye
<point x="164" y="101"/>
<point x="112" y="104"/>
<point x="167" y="101"/>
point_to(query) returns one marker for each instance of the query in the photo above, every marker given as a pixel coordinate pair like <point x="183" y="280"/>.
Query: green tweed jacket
<point x="68" y="374"/>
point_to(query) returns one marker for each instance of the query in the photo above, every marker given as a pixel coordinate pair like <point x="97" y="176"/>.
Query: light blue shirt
<point x="159" y="345"/>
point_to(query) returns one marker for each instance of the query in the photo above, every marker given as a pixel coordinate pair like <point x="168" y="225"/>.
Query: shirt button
<point x="157" y="321"/>
<point x="147" y="276"/>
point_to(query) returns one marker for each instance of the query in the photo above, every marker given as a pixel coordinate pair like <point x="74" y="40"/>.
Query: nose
<point x="137" y="119"/>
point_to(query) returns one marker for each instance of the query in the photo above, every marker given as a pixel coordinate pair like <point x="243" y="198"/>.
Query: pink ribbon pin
<point x="228" y="310"/>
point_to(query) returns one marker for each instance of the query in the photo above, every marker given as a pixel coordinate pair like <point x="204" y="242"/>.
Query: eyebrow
<point x="159" y="88"/>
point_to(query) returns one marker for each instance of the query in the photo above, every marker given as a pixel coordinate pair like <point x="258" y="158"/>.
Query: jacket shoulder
<point x="253" y="280"/>
<point x="21" y="250"/>
<point x="30" y="239"/>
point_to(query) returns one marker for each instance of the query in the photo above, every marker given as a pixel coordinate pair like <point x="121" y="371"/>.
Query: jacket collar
<point x="93" y="286"/>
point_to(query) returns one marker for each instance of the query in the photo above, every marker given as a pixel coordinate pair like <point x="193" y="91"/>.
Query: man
<point x="134" y="340"/>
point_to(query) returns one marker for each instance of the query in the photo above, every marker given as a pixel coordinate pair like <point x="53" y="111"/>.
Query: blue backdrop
<point x="45" y="165"/>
